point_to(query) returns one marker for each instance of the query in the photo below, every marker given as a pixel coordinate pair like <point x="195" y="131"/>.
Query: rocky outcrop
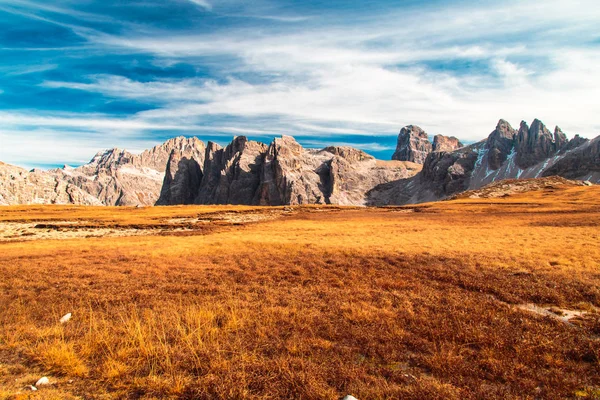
<point x="443" y="174"/>
<point x="18" y="186"/>
<point x="446" y="143"/>
<point x="244" y="172"/>
<point x="413" y="145"/>
<point x="117" y="177"/>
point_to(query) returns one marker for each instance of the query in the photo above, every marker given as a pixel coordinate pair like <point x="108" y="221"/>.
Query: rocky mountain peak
<point x="158" y="156"/>
<point x="575" y="142"/>
<point x="502" y="122"/>
<point x="237" y="145"/>
<point x="500" y="143"/>
<point x="534" y="144"/>
<point x="560" y="139"/>
<point x="109" y="159"/>
<point x="503" y="130"/>
<point x="211" y="147"/>
<point x="286" y="145"/>
<point x="445" y="143"/>
<point x="413" y="145"/>
<point x="523" y="132"/>
<point x="539" y="133"/>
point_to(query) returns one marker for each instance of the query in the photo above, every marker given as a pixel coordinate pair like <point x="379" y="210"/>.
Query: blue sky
<point x="77" y="76"/>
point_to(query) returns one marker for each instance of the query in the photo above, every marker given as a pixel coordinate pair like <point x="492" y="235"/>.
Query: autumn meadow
<point x="473" y="298"/>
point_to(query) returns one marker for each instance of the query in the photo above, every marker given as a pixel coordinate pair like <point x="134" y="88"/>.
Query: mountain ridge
<point x="188" y="171"/>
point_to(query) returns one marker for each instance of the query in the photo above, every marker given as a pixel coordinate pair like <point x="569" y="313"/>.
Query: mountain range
<point x="188" y="171"/>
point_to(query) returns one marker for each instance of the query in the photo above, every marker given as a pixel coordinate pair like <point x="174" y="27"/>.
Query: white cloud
<point x="369" y="76"/>
<point x="91" y="122"/>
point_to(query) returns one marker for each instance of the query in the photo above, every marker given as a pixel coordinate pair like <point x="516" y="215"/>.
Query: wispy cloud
<point x="27" y="69"/>
<point x="202" y="3"/>
<point x="330" y="74"/>
<point x="362" y="146"/>
<point x="91" y="123"/>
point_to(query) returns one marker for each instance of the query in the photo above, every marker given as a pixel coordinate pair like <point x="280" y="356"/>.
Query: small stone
<point x="349" y="397"/>
<point x="587" y="183"/>
<point x="42" y="381"/>
<point x="31" y="387"/>
<point x="65" y="318"/>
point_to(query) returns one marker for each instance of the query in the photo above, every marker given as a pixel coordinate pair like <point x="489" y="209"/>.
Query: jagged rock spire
<point x="413" y="145"/>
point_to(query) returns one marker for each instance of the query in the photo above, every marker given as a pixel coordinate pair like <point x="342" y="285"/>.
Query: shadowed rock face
<point x="183" y="175"/>
<point x="413" y="145"/>
<point x="291" y="175"/>
<point x="448" y="173"/>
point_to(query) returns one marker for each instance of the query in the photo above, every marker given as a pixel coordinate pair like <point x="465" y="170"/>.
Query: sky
<point x="78" y="76"/>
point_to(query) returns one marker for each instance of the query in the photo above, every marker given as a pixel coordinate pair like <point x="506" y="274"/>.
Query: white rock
<point x="348" y="397"/>
<point x="43" y="381"/>
<point x="31" y="387"/>
<point x="65" y="318"/>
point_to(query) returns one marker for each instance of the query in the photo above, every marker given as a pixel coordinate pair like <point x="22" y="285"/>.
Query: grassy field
<point x="465" y="299"/>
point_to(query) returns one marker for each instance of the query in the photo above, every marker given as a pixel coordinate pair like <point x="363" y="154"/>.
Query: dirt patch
<point x="570" y="317"/>
<point x="27" y="231"/>
<point x="14" y="231"/>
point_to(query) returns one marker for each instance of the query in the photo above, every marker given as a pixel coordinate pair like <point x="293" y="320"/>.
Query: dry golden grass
<point x="414" y="303"/>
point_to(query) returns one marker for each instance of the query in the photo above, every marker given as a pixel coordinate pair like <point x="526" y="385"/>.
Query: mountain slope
<point x="186" y="171"/>
<point x="531" y="152"/>
<point x="117" y="177"/>
<point x="18" y="186"/>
